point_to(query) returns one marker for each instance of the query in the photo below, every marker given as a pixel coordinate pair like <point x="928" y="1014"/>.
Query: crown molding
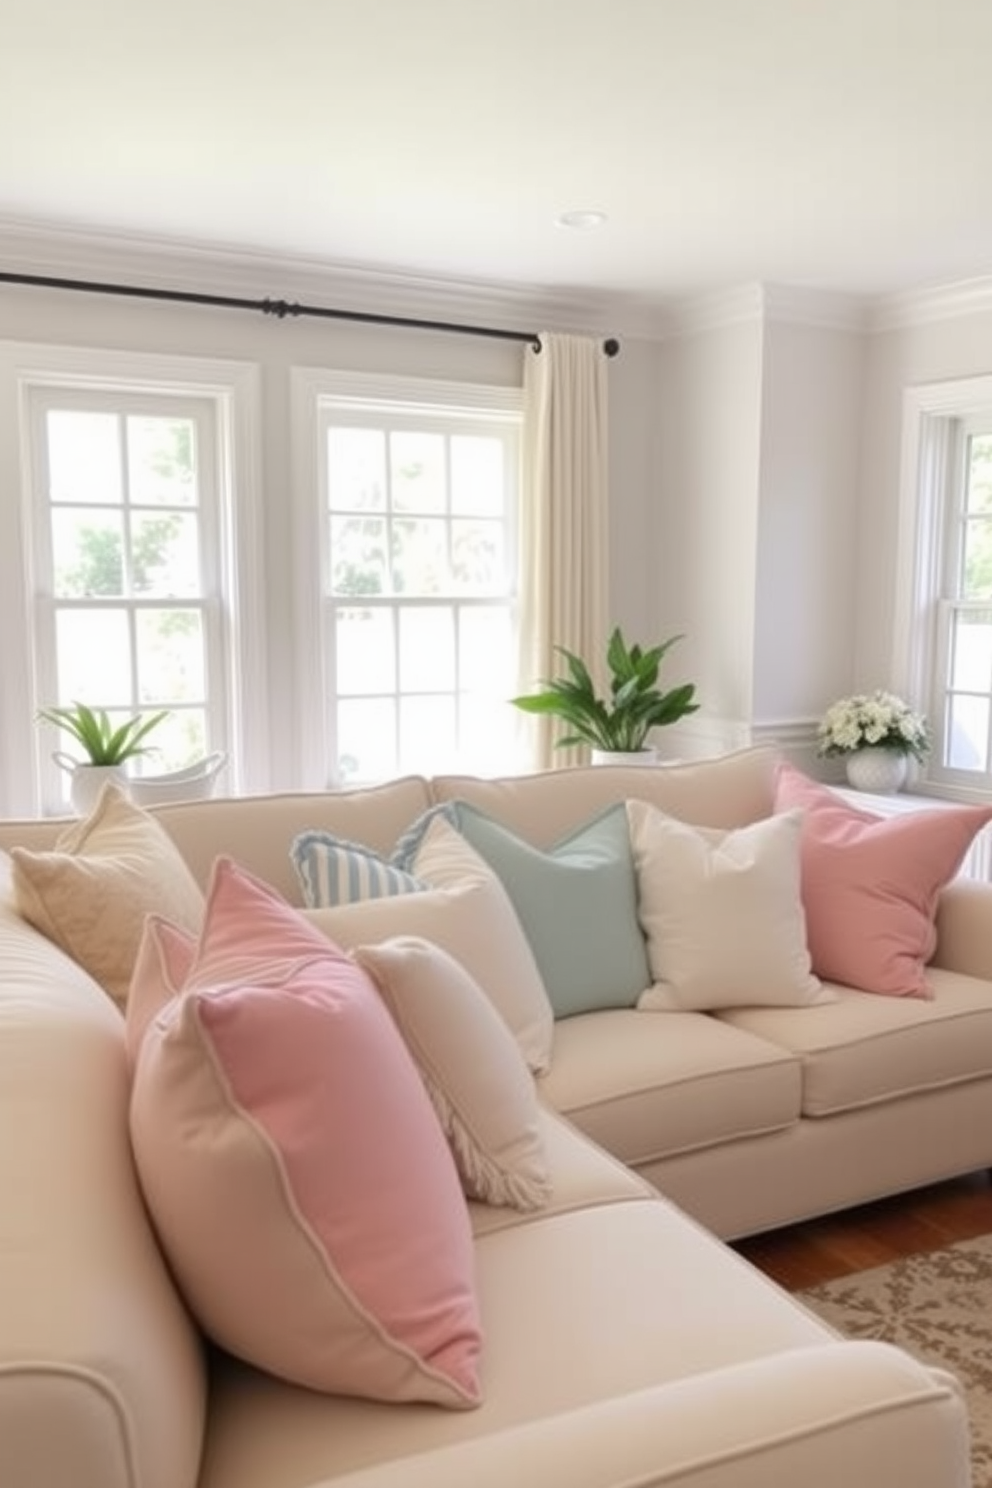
<point x="926" y="306"/>
<point x="819" y="308"/>
<point x="762" y="304"/>
<point x="694" y="315"/>
<point x="185" y="265"/>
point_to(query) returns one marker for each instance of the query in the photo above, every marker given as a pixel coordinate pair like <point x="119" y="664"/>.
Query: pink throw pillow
<point x="164" y="961"/>
<point x="870" y="884"/>
<point x="299" y="1181"/>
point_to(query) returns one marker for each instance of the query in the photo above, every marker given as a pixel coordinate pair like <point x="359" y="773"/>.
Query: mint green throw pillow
<point x="577" y="903"/>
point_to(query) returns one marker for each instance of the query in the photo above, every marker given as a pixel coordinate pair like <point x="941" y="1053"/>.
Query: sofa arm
<point x="964" y="928"/>
<point x="102" y="1379"/>
<point x="843" y="1413"/>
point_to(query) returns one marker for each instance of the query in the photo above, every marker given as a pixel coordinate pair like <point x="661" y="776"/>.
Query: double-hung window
<point x="125" y="616"/>
<point x="417" y="487"/>
<point x="945" y="620"/>
<point x="963" y="671"/>
<point x="138" y="514"/>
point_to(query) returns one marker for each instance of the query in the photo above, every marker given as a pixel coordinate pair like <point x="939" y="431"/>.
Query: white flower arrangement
<point x="877" y="720"/>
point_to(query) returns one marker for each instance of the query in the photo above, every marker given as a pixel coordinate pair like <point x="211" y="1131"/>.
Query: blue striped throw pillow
<point x="333" y="871"/>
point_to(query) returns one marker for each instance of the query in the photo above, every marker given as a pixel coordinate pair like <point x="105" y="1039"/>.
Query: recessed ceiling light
<point x="583" y="221"/>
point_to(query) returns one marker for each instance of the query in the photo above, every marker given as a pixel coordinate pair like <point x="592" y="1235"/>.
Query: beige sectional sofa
<point x="623" y="1341"/>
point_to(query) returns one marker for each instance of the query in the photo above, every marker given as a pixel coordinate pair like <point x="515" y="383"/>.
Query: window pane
<point x="88" y="552"/>
<point x="477" y="476"/>
<point x="427" y="735"/>
<point x="356" y="469"/>
<point x="179" y="740"/>
<point x="93" y="648"/>
<point x="420" y="556"/>
<point x="165" y="554"/>
<point x="84" y="461"/>
<point x="365" y="652"/>
<point x="485" y="651"/>
<point x="488" y="739"/>
<point x="418" y="473"/>
<point x="971" y="660"/>
<point x="967" y="733"/>
<point x="366" y="740"/>
<point x="171" y="667"/>
<point x="477" y="557"/>
<point x="977" y="581"/>
<point x="358" y="556"/>
<point x="427" y="649"/>
<point x="162" y="461"/>
<point x="979" y="493"/>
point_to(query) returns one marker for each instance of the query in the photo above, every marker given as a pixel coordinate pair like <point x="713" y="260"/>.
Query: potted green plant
<point x="618" y="724"/>
<point x="107" y="746"/>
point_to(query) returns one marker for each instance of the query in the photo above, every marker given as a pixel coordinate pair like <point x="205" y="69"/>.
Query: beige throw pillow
<point x="90" y="895"/>
<point x="722" y="913"/>
<point x="467" y="912"/>
<point x="480" y="1088"/>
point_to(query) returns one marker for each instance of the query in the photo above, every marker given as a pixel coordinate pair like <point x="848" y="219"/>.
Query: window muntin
<point x="419" y="506"/>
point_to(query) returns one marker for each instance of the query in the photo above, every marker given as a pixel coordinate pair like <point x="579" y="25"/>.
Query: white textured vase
<point x="87" y="781"/>
<point x="880" y="770"/>
<point x="648" y="756"/>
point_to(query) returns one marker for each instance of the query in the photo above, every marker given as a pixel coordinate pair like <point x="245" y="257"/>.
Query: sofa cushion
<point x="590" y="1307"/>
<point x="647" y="1085"/>
<point x="581" y="1173"/>
<point x="256" y="831"/>
<point x="870" y="884"/>
<point x="294" y="1168"/>
<point x="577" y="903"/>
<point x="481" y="1089"/>
<point x="468" y="913"/>
<point x="728" y="791"/>
<point x="722" y="913"/>
<point x="91" y="893"/>
<point x="864" y="1050"/>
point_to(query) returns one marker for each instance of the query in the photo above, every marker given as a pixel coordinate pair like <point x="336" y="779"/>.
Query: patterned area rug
<point x="937" y="1307"/>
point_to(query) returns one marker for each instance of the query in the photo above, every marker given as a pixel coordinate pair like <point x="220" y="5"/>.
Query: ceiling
<point x="839" y="145"/>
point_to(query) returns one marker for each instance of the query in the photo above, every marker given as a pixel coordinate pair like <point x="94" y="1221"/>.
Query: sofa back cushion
<point x="732" y="790"/>
<point x="257" y="831"/>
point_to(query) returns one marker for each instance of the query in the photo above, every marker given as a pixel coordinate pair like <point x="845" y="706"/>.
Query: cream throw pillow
<point x="482" y="1091"/>
<point x="722" y="913"/>
<point x="467" y="912"/>
<point x="90" y="895"/>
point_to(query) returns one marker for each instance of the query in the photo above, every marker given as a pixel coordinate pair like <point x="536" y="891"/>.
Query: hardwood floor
<point x="806" y="1254"/>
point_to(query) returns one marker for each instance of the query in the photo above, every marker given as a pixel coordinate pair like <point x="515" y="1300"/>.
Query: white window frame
<point x="313" y="392"/>
<point x="29" y="374"/>
<point x="935" y="418"/>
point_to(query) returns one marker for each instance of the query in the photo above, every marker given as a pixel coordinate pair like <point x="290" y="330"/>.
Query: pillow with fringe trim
<point x="479" y="1085"/>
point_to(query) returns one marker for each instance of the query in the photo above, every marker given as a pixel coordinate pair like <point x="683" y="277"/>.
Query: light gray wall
<point x="805" y="622"/>
<point x="708" y="528"/>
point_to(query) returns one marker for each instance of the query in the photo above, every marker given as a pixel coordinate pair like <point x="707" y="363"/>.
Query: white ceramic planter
<point x="880" y="770"/>
<point x="648" y="756"/>
<point x="87" y="781"/>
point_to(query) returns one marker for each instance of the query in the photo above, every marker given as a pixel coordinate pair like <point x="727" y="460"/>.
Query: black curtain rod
<point x="279" y="308"/>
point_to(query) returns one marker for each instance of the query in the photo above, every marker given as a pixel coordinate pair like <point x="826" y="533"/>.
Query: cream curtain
<point x="563" y="527"/>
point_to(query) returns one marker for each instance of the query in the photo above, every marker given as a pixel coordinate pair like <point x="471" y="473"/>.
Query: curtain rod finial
<point x="611" y="346"/>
